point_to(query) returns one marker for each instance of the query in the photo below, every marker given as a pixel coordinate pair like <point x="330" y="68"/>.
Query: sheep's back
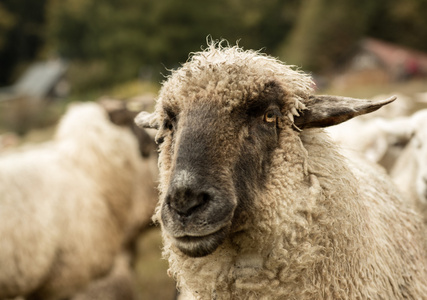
<point x="29" y="230"/>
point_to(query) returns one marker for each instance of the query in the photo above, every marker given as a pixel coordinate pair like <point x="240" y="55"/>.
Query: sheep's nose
<point x="186" y="201"/>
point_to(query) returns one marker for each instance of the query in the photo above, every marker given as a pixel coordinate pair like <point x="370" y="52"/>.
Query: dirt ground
<point x="152" y="280"/>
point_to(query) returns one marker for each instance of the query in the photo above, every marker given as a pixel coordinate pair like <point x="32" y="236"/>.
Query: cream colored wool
<point x="65" y="206"/>
<point x="410" y="170"/>
<point x="324" y="227"/>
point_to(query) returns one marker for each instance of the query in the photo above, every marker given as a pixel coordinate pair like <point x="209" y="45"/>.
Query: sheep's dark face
<point x="217" y="160"/>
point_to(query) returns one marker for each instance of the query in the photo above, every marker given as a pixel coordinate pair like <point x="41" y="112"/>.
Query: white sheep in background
<point x="410" y="170"/>
<point x="381" y="136"/>
<point x="379" y="140"/>
<point x="402" y="107"/>
<point x="68" y="206"/>
<point x="422" y="97"/>
<point x="377" y="136"/>
<point x="257" y="202"/>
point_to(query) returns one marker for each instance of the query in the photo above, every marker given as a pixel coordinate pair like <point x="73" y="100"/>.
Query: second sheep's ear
<point x="147" y="120"/>
<point x="325" y="110"/>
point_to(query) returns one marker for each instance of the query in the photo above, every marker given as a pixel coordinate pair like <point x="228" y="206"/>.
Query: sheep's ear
<point x="324" y="111"/>
<point x="147" y="120"/>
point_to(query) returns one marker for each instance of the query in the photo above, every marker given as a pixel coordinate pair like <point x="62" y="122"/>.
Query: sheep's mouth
<point x="198" y="246"/>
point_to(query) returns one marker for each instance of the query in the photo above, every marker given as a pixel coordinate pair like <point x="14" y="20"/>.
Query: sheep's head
<point x="219" y="120"/>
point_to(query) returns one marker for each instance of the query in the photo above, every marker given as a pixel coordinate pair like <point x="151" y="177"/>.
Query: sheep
<point x="421" y="97"/>
<point x="119" y="283"/>
<point x="123" y="113"/>
<point x="256" y="202"/>
<point x="378" y="139"/>
<point x="410" y="170"/>
<point x="379" y="136"/>
<point x="401" y="108"/>
<point x="67" y="207"/>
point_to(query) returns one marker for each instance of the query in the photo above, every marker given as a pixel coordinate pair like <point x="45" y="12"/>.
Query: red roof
<point x="394" y="56"/>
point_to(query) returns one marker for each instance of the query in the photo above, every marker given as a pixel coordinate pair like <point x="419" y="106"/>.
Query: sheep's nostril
<point x="185" y="202"/>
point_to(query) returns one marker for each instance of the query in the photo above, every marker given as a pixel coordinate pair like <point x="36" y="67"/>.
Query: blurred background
<point x="53" y="52"/>
<point x="82" y="49"/>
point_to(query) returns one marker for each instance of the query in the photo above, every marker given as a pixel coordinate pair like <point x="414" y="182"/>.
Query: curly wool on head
<point x="229" y="74"/>
<point x="269" y="208"/>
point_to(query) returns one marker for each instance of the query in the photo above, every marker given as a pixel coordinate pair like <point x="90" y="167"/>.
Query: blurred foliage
<point x="113" y="41"/>
<point x="141" y="38"/>
<point x="129" y="89"/>
<point x="401" y="21"/>
<point x="6" y="22"/>
<point x="326" y="32"/>
<point x="21" y="35"/>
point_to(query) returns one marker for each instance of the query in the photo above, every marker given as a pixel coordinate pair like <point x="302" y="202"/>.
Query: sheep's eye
<point x="270" y="117"/>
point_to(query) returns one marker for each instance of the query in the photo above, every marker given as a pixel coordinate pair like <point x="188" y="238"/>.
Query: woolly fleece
<point x="65" y="206"/>
<point x="323" y="227"/>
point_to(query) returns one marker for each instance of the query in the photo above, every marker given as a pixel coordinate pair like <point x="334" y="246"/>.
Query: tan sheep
<point x="410" y="171"/>
<point x="379" y="140"/>
<point x="65" y="206"/>
<point x="257" y="202"/>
